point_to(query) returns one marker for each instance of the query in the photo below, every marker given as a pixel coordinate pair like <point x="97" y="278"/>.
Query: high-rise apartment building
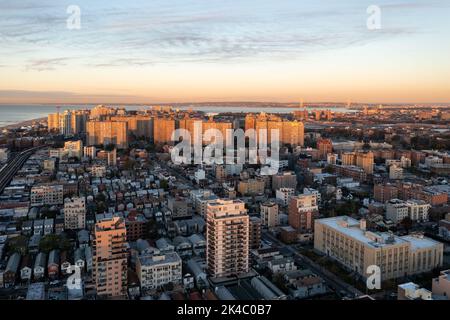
<point x="139" y="125"/>
<point x="101" y="112"/>
<point x="108" y="132"/>
<point x="163" y="129"/>
<point x="90" y="152"/>
<point x="289" y="132"/>
<point x="221" y="126"/>
<point x="53" y="122"/>
<point x="348" y="158"/>
<point x="227" y="238"/>
<point x="65" y="123"/>
<point x="79" y="120"/>
<point x="110" y="257"/>
<point x="365" y="160"/>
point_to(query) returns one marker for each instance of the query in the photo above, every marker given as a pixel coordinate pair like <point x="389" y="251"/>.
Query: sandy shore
<point x="22" y="124"/>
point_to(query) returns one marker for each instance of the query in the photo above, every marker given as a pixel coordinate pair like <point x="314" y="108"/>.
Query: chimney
<point x="362" y="224"/>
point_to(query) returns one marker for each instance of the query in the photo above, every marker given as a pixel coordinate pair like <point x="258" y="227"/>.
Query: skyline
<point x="193" y="51"/>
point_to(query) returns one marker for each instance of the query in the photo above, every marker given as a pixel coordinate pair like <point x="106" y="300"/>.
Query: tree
<point x="18" y="244"/>
<point x="129" y="164"/>
<point x="280" y="282"/>
<point x="407" y="223"/>
<point x="110" y="147"/>
<point x="164" y="184"/>
<point x="53" y="241"/>
<point x="100" y="197"/>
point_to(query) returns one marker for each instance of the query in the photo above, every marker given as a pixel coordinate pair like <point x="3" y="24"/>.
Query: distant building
<point x="395" y="172"/>
<point x="302" y="211"/>
<point x="75" y="213"/>
<point x="325" y="147"/>
<point x="46" y="195"/>
<point x="269" y="214"/>
<point x="284" y="180"/>
<point x="107" y="133"/>
<point x="283" y="195"/>
<point x="251" y="187"/>
<point x="397" y="210"/>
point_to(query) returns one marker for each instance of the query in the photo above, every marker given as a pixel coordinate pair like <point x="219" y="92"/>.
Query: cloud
<point x="30" y="96"/>
<point x="163" y="32"/>
<point x="46" y="64"/>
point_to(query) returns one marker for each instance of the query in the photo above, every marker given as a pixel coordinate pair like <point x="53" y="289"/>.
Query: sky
<point x="224" y="50"/>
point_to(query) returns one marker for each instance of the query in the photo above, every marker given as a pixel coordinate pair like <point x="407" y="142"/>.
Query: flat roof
<point x="420" y="243"/>
<point x="353" y="230"/>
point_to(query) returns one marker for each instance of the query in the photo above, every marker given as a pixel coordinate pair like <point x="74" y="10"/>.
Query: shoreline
<point x="22" y="124"/>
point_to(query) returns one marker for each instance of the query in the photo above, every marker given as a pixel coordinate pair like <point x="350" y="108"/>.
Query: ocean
<point x="13" y="114"/>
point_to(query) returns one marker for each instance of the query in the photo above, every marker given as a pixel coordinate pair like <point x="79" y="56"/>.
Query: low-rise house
<point x="36" y="291"/>
<point x="26" y="270"/>
<point x="198" y="244"/>
<point x="40" y="265"/>
<point x="89" y="258"/>
<point x="143" y="247"/>
<point x="79" y="258"/>
<point x="48" y="226"/>
<point x="11" y="270"/>
<point x="304" y="284"/>
<point x="59" y="224"/>
<point x="183" y="246"/>
<point x="267" y="289"/>
<point x="38" y="227"/>
<point x="33" y="244"/>
<point x="53" y="264"/>
<point x="164" y="245"/>
<point x="198" y="269"/>
<point x="281" y="264"/>
<point x="27" y="227"/>
<point x="83" y="238"/>
<point x="65" y="263"/>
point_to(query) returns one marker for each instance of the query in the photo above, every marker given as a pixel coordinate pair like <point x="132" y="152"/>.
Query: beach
<point x="21" y="124"/>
